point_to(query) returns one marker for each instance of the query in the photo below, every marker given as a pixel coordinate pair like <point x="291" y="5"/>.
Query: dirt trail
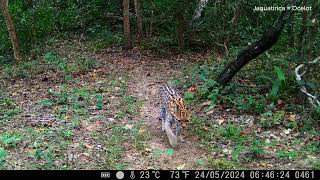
<point x="146" y="76"/>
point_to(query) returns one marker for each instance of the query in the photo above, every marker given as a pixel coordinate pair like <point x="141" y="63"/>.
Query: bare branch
<point x="313" y="100"/>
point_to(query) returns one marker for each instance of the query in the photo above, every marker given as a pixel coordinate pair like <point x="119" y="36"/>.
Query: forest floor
<point x="107" y="118"/>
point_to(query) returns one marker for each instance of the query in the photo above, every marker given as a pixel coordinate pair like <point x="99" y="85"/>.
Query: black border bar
<point x="162" y="174"/>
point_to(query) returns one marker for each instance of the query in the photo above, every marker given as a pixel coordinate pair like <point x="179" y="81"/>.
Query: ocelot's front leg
<point x="178" y="131"/>
<point x="162" y="117"/>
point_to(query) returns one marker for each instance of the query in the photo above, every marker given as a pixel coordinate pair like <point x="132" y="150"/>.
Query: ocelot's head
<point x="179" y="110"/>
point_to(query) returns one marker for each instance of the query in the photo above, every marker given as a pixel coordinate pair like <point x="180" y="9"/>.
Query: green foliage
<point x="315" y="164"/>
<point x="269" y="119"/>
<point x="257" y="147"/>
<point x="169" y="151"/>
<point x="99" y="102"/>
<point x="115" y="149"/>
<point x="37" y="153"/>
<point x="312" y="147"/>
<point x="315" y="113"/>
<point x="278" y="83"/>
<point x="46" y="103"/>
<point x="287" y="154"/>
<point x="8" y="108"/>
<point x="231" y="131"/>
<point x="10" y="139"/>
<point x="73" y="100"/>
<point x="222" y="163"/>
<point x="66" y="134"/>
<point x="22" y="70"/>
<point x="188" y="95"/>
<point x="3" y="154"/>
<point x="56" y="62"/>
<point x="86" y="64"/>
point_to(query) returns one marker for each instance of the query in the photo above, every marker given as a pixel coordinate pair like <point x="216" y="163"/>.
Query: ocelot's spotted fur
<point x="172" y="111"/>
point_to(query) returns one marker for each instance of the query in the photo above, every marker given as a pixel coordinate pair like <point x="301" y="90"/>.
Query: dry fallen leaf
<point x="207" y="103"/>
<point x="287" y="131"/>
<point x="111" y="119"/>
<point x="88" y="146"/>
<point x="141" y="131"/>
<point x="263" y="164"/>
<point x="85" y="157"/>
<point x="180" y="167"/>
<point x="292" y="117"/>
<point x="220" y="121"/>
<point x="246" y="131"/>
<point x="210" y="112"/>
<point x="193" y="88"/>
<point x="129" y="126"/>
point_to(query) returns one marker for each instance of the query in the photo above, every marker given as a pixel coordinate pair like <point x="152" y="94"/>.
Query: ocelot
<point x="173" y="111"/>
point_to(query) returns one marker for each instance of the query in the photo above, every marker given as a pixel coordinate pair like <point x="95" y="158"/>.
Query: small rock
<point x="111" y="119"/>
<point x="282" y="134"/>
<point x="267" y="141"/>
<point x="287" y="131"/>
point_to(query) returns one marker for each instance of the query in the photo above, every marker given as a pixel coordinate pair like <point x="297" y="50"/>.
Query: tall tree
<point x="126" y="24"/>
<point x="302" y="34"/>
<point x="313" y="30"/>
<point x="291" y="32"/>
<point x="11" y="29"/>
<point x="137" y="4"/>
<point x="269" y="38"/>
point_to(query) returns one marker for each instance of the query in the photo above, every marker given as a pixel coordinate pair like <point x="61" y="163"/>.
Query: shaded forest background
<point x="268" y="88"/>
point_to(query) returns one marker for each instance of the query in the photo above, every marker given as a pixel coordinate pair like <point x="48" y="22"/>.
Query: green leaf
<point x="280" y="73"/>
<point x="99" y="102"/>
<point x="200" y="162"/>
<point x="68" y="77"/>
<point x="46" y="103"/>
<point x="157" y="152"/>
<point x="169" y="151"/>
<point x="3" y="153"/>
<point x="275" y="88"/>
<point x="188" y="95"/>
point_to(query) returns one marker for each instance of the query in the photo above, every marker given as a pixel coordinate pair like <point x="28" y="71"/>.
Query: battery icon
<point x="105" y="175"/>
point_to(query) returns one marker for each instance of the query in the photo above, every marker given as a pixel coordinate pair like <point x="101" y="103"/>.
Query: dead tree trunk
<point x="269" y="38"/>
<point x="126" y="25"/>
<point x="139" y="19"/>
<point x="11" y="30"/>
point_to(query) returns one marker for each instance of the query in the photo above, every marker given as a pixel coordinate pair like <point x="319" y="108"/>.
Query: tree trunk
<point x="150" y="25"/>
<point x="301" y="37"/>
<point x="181" y="28"/>
<point x="11" y="30"/>
<point x="197" y="14"/>
<point x="139" y="20"/>
<point x="269" y="38"/>
<point x="234" y="23"/>
<point x="315" y="22"/>
<point x="291" y="32"/>
<point x="126" y="25"/>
